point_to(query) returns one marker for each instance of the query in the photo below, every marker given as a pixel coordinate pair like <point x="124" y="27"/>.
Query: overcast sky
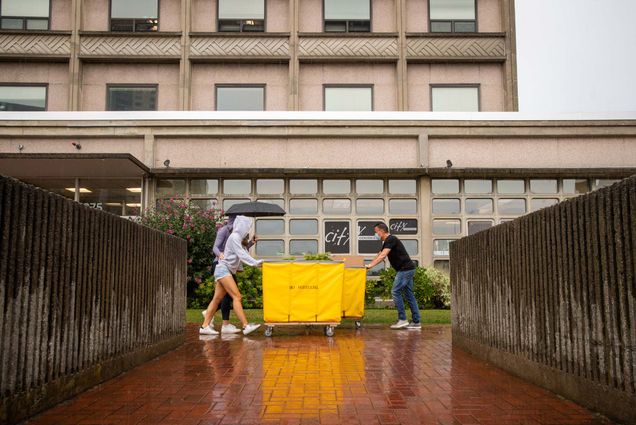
<point x="576" y="55"/>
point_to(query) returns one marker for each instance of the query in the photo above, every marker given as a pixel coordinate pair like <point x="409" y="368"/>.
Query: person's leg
<point x="219" y="293"/>
<point x="410" y="295"/>
<point x="230" y="287"/>
<point x="226" y="305"/>
<point x="396" y="292"/>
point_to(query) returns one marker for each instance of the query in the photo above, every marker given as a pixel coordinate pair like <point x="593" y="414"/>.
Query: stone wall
<point x="84" y="295"/>
<point x="551" y="297"/>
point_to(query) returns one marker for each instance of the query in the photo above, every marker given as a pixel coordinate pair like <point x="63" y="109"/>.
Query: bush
<point x="249" y="281"/>
<point x="431" y="287"/>
<point x="197" y="226"/>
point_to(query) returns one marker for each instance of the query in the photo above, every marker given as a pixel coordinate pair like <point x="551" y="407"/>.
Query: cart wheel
<point x="358" y="324"/>
<point x="269" y="331"/>
<point x="329" y="331"/>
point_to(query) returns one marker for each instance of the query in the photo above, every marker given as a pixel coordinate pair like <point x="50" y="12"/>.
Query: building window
<point x="402" y="187"/>
<point x="270" y="227"/>
<point x="352" y="98"/>
<point x="445" y="186"/>
<point x="441" y="247"/>
<point x="301" y="246"/>
<point x="203" y="187"/>
<point x="369" y="187"/>
<point x="270" y="248"/>
<point x="511" y="186"/>
<point x="402" y="206"/>
<point x="347" y="15"/>
<point x="227" y="203"/>
<point x="303" y="186"/>
<point x="511" y="206"/>
<point x="167" y="188"/>
<point x="270" y="186"/>
<point x="23" y="97"/>
<point x="543" y="186"/>
<point x="240" y="98"/>
<point x="539" y="203"/>
<point x="477" y="186"/>
<point x="237" y="186"/>
<point x="241" y="15"/>
<point x="446" y="227"/>
<point x="452" y="16"/>
<point x="370" y="206"/>
<point x="479" y="206"/>
<point x="303" y="206"/>
<point x="455" y="98"/>
<point x="117" y="196"/>
<point x="336" y="206"/>
<point x="131" y="98"/>
<point x="336" y="187"/>
<point x="25" y="14"/>
<point x="575" y="186"/>
<point x="446" y="206"/>
<point x="134" y="16"/>
<point x="303" y="227"/>
<point x="478" y="226"/>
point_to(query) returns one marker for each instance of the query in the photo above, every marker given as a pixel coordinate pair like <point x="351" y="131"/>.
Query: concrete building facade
<point x="343" y="112"/>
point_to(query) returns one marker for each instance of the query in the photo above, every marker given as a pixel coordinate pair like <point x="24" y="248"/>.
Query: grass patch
<point x="374" y="316"/>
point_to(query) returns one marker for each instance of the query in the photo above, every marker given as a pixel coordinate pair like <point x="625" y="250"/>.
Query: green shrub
<point x="431" y="287"/>
<point x="249" y="281"/>
<point x="198" y="227"/>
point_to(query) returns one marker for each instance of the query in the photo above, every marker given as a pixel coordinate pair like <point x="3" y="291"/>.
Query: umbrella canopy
<point x="255" y="209"/>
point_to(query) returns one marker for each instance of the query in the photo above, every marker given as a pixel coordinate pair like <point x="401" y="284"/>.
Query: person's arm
<point x="379" y="258"/>
<point x="235" y="245"/>
<point x="221" y="236"/>
<point x="252" y="242"/>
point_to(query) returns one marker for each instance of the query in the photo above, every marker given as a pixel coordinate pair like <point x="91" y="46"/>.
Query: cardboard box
<point x="350" y="260"/>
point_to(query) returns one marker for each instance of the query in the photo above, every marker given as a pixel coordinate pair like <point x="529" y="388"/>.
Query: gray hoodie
<point x="234" y="252"/>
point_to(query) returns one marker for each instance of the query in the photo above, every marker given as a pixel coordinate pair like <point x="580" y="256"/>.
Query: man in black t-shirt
<point x="393" y="248"/>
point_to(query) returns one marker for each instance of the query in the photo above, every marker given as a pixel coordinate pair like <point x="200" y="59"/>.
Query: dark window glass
<point x="452" y="16"/>
<point x="347" y="16"/>
<point x="134" y="16"/>
<point x="441" y="26"/>
<point x="465" y="26"/>
<point x="22" y="98"/>
<point x="478" y="226"/>
<point x="124" y="98"/>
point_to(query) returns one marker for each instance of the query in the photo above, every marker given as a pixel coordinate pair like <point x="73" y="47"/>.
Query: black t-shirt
<point x="398" y="257"/>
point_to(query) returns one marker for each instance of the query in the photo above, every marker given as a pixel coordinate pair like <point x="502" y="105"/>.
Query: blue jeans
<point x="403" y="284"/>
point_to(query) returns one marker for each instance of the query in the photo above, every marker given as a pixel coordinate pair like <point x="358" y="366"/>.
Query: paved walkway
<point x="373" y="376"/>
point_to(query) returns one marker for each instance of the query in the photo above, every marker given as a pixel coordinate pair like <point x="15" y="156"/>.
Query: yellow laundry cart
<point x="353" y="290"/>
<point x="303" y="293"/>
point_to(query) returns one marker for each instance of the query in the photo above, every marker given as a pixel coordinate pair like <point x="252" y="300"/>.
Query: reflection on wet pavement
<point x="366" y="377"/>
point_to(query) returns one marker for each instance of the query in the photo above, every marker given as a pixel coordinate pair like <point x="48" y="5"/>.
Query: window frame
<point x="239" y="85"/>
<point x="460" y="85"/>
<point x="347" y="86"/>
<point x="46" y="91"/>
<point x="218" y="26"/>
<point x="453" y="21"/>
<point x="110" y="21"/>
<point x="131" y="85"/>
<point x="347" y="21"/>
<point x="25" y="18"/>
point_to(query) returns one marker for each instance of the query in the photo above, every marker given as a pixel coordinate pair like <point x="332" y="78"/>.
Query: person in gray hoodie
<point x="233" y="255"/>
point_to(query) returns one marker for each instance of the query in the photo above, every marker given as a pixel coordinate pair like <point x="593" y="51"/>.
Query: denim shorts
<point x="221" y="271"/>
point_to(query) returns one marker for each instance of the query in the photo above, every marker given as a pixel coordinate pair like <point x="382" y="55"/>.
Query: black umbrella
<point x="255" y="209"/>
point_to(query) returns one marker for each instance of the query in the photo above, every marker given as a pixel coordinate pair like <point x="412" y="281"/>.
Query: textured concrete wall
<point x="551" y="297"/>
<point x="84" y="295"/>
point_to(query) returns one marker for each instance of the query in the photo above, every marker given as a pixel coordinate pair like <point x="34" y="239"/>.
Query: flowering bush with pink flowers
<point x="197" y="226"/>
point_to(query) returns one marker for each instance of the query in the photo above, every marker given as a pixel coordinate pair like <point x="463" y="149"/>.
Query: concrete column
<point x="426" y="232"/>
<point x="185" y="67"/>
<point x="402" y="78"/>
<point x="149" y="150"/>
<point x="510" y="67"/>
<point x="294" y="64"/>
<point x="74" y="64"/>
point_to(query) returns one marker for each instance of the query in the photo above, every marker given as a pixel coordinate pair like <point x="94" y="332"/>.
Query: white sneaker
<point x="230" y="329"/>
<point x="211" y="321"/>
<point x="414" y="326"/>
<point x="401" y="324"/>
<point x="208" y="331"/>
<point x="250" y="327"/>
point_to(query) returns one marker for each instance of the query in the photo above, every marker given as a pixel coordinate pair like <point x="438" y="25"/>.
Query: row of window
<point x="206" y="187"/>
<point x="510" y="186"/>
<point x="242" y="15"/>
<point x="33" y="97"/>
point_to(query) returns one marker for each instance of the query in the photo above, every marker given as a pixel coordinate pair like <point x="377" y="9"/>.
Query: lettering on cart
<point x="303" y="287"/>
